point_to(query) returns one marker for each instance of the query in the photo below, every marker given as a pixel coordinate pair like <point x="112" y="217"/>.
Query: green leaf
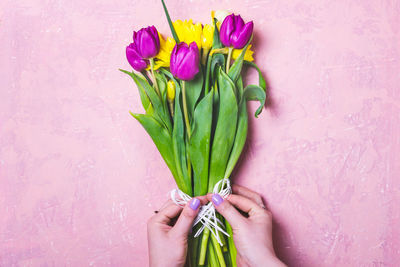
<point x="261" y="81"/>
<point x="199" y="144"/>
<point x="225" y="129"/>
<point x="218" y="60"/>
<point x="215" y="110"/>
<point x="171" y="26"/>
<point x="216" y="41"/>
<point x="241" y="132"/>
<point x="162" y="139"/>
<point x="150" y="110"/>
<point x="236" y="67"/>
<point x="155" y="100"/>
<point x="212" y="63"/>
<point x="239" y="85"/>
<point x="162" y="84"/>
<point x="193" y="91"/>
<point x="179" y="145"/>
<point x="255" y="92"/>
<point x="143" y="96"/>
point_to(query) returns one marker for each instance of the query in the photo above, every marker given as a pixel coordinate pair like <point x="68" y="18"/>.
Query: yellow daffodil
<point x="188" y="32"/>
<point x="164" y="55"/>
<point x="207" y="36"/>
<point x="247" y="56"/>
<point x="207" y="41"/>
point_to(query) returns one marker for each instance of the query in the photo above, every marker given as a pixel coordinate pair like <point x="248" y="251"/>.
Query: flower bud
<point x="171" y="87"/>
<point x="234" y="32"/>
<point x="147" y="42"/>
<point x="185" y="61"/>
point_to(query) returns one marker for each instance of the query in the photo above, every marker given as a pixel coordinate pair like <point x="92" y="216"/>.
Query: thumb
<point x="225" y="208"/>
<point x="185" y="220"/>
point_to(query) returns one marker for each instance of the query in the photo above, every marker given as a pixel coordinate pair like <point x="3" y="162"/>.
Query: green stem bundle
<point x="154" y="76"/>
<point x="200" y="134"/>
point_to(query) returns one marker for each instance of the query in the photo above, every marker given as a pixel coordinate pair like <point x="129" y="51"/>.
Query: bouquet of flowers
<point x="195" y="103"/>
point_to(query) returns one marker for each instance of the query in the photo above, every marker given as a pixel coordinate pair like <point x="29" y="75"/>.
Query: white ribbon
<point x="207" y="214"/>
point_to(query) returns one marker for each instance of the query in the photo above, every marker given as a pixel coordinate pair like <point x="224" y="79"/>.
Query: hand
<point x="253" y="234"/>
<point x="168" y="241"/>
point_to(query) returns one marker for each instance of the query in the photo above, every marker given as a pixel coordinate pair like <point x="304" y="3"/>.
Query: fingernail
<point x="217" y="199"/>
<point x="194" y="204"/>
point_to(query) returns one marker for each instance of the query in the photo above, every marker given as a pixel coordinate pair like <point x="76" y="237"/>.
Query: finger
<point x="226" y="209"/>
<point x="203" y="199"/>
<point x="245" y="204"/>
<point x="185" y="220"/>
<point x="243" y="191"/>
<point x="167" y="214"/>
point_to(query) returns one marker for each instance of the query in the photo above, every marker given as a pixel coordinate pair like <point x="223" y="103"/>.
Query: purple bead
<point x="234" y="32"/>
<point x="185" y="61"/>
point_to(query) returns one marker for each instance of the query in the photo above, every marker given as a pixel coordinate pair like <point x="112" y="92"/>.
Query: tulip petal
<point x="240" y="38"/>
<point x="147" y="44"/>
<point x="134" y="58"/>
<point x="155" y="36"/>
<point x="172" y="61"/>
<point x="177" y="55"/>
<point x="185" y="61"/>
<point x="239" y="23"/>
<point x="187" y="70"/>
<point x="191" y="62"/>
<point x="226" y="30"/>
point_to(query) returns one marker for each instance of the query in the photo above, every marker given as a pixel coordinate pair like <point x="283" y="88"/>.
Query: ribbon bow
<point x="207" y="214"/>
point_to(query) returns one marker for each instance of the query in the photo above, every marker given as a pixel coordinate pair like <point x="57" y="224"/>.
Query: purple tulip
<point x="185" y="61"/>
<point x="234" y="32"/>
<point x="147" y="42"/>
<point x="136" y="61"/>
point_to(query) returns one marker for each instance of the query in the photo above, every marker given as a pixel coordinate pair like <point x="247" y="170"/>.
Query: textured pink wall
<point x="79" y="177"/>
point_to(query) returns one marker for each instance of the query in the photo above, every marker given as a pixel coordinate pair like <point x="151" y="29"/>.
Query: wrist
<point x="272" y="261"/>
<point x="267" y="258"/>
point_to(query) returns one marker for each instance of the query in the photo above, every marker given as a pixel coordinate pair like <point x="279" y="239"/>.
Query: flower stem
<point x="204" y="56"/>
<point x="188" y="130"/>
<point x="212" y="258"/>
<point x="147" y="77"/>
<point x="203" y="248"/>
<point x="154" y="76"/>
<point x="171" y="107"/>
<point x="231" y="244"/>
<point x="218" y="250"/>
<point x="185" y="111"/>
<point x="228" y="61"/>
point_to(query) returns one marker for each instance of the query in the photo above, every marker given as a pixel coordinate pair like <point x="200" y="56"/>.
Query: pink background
<point x="79" y="176"/>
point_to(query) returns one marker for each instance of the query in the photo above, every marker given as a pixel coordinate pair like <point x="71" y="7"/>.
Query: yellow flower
<point x="247" y="56"/>
<point x="188" y="32"/>
<point x="207" y="36"/>
<point x="164" y="55"/>
<point x="171" y="87"/>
